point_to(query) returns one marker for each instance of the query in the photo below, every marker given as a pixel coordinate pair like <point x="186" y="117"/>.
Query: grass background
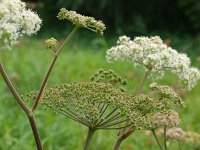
<point x="27" y="64"/>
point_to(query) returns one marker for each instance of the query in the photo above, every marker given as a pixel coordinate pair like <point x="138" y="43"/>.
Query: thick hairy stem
<point x="122" y="137"/>
<point x="89" y="138"/>
<point x="35" y="132"/>
<point x="156" y="138"/>
<point x="165" y="138"/>
<point x="42" y="88"/>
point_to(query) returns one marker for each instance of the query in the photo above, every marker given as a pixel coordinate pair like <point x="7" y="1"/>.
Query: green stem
<point x="165" y="138"/>
<point x="89" y="138"/>
<point x="156" y="138"/>
<point x="42" y="88"/>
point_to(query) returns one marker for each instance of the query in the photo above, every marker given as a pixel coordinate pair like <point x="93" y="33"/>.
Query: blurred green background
<point x="176" y="21"/>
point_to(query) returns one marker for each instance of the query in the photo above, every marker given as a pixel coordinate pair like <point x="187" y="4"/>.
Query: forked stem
<point x="23" y="106"/>
<point x="42" y="88"/>
<point x="30" y="113"/>
<point x="89" y="138"/>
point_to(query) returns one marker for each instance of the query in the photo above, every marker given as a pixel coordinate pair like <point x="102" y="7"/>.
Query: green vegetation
<point x="27" y="64"/>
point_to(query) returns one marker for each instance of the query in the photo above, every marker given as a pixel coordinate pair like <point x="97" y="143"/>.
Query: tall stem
<point x="165" y="138"/>
<point x="89" y="138"/>
<point x="39" y="97"/>
<point x="35" y="132"/>
<point x="156" y="138"/>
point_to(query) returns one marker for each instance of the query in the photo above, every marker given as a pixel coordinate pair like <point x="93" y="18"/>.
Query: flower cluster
<point x="100" y="105"/>
<point x="176" y="133"/>
<point x="156" y="56"/>
<point x="15" y="21"/>
<point x="168" y="119"/>
<point x="82" y="21"/>
<point x="51" y="44"/>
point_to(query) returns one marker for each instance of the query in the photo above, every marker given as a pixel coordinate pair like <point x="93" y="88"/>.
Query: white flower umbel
<point x="156" y="56"/>
<point x="15" y="21"/>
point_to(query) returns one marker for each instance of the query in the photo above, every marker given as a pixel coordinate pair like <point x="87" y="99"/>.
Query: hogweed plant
<point x="104" y="103"/>
<point x="16" y="21"/>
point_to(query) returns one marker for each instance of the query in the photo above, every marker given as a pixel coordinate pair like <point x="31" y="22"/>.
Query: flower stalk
<point x="89" y="138"/>
<point x="165" y="138"/>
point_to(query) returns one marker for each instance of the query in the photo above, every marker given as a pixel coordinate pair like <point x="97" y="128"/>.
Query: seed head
<point x="96" y="105"/>
<point x="100" y="105"/>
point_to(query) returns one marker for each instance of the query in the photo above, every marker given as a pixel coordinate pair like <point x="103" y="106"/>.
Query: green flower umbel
<point x="82" y="21"/>
<point x="95" y="105"/>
